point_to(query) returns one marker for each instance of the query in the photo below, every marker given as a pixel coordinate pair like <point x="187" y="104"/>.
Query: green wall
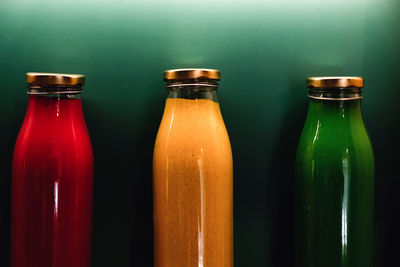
<point x="264" y="48"/>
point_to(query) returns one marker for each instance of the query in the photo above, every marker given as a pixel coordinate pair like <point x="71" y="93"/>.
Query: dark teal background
<point x="264" y="48"/>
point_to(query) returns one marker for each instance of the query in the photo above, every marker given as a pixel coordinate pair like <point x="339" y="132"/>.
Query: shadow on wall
<point x="123" y="203"/>
<point x="11" y="119"/>
<point x="142" y="236"/>
<point x="280" y="199"/>
<point x="383" y="125"/>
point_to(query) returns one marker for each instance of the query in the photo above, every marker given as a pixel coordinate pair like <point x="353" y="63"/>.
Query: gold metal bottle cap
<point x="186" y="74"/>
<point x="335" y="82"/>
<point x="43" y="79"/>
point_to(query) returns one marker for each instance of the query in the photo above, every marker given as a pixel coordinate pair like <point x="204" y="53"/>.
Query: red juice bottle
<point x="52" y="177"/>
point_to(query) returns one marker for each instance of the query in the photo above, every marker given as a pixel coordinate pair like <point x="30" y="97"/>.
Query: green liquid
<point x="334" y="187"/>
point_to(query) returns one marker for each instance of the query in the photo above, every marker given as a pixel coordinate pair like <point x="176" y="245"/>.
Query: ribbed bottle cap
<point x="335" y="82"/>
<point x="186" y="74"/>
<point x="57" y="79"/>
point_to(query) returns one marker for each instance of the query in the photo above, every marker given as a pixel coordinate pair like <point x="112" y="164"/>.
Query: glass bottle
<point x="334" y="181"/>
<point x="52" y="176"/>
<point x="192" y="175"/>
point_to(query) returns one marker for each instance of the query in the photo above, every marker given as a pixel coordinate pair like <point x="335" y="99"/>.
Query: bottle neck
<point x="339" y="105"/>
<point x="335" y="94"/>
<point x="193" y="90"/>
<point x="54" y="102"/>
<point x="52" y="107"/>
<point x="59" y="91"/>
<point x="338" y="111"/>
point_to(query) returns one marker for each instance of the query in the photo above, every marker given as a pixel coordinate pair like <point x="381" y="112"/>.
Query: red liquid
<point x="52" y="186"/>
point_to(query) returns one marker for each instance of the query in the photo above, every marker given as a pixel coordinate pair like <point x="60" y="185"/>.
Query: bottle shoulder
<point x="332" y="155"/>
<point x="334" y="138"/>
<point x="192" y="131"/>
<point x="53" y="141"/>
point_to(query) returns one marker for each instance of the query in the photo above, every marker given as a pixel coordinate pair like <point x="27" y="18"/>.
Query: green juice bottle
<point x="334" y="178"/>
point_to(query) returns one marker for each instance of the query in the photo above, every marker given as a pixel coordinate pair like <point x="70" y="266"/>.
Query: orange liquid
<point x="193" y="200"/>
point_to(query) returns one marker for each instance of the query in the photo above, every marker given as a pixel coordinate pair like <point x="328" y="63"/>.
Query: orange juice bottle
<point x="192" y="175"/>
